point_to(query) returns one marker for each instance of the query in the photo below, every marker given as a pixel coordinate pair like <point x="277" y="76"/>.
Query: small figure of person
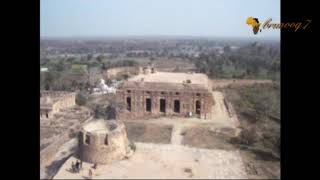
<point x="95" y="165"/>
<point x="77" y="166"/>
<point x="90" y="174"/>
<point x="73" y="167"/>
<point x="80" y="164"/>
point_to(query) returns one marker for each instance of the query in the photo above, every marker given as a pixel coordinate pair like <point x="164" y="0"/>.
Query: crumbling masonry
<point x="52" y="102"/>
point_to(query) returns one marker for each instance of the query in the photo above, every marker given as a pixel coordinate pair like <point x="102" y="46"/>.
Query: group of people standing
<point x="76" y="167"/>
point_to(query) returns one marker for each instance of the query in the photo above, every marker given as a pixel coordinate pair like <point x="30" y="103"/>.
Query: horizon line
<point x="160" y="36"/>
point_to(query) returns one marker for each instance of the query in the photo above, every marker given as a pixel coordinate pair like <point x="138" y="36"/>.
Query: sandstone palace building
<point x="153" y="94"/>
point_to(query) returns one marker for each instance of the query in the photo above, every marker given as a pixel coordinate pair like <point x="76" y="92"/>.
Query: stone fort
<point x="52" y="102"/>
<point x="153" y="94"/>
<point x="103" y="142"/>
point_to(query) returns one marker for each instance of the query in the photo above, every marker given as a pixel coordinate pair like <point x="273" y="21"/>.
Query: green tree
<point x="89" y="57"/>
<point x="99" y="112"/>
<point x="99" y="58"/>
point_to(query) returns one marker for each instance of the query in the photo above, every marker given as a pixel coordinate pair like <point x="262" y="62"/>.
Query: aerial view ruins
<point x="156" y="106"/>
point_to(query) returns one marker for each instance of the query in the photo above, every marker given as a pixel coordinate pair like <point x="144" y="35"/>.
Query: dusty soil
<point x="258" y="168"/>
<point x="152" y="133"/>
<point x="154" y="161"/>
<point x="262" y="157"/>
<point x="203" y="137"/>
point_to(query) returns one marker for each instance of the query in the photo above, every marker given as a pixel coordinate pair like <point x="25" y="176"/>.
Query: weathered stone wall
<point x="97" y="151"/>
<point x="54" y="94"/>
<point x="187" y="103"/>
<point x="68" y="100"/>
<point x="60" y="100"/>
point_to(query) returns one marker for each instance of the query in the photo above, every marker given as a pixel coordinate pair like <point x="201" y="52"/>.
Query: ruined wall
<point x="54" y="94"/>
<point x="96" y="151"/>
<point x="187" y="103"/>
<point x="66" y="101"/>
<point x="58" y="100"/>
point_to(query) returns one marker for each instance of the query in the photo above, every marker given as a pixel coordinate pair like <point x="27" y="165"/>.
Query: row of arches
<point x="163" y="108"/>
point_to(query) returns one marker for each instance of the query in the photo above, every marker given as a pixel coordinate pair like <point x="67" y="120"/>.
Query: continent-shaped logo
<point x="254" y="22"/>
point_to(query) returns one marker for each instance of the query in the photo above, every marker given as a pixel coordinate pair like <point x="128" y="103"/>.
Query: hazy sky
<point x="227" y="18"/>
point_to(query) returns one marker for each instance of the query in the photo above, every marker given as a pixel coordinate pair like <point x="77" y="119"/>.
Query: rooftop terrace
<point x="169" y="80"/>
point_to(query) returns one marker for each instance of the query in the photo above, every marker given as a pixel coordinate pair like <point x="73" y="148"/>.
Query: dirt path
<point x="176" y="137"/>
<point x="219" y="110"/>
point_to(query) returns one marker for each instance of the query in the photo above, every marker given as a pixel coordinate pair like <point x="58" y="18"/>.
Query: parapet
<point x="103" y="141"/>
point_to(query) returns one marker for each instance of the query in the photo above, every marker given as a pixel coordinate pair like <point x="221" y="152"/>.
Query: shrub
<point x="81" y="99"/>
<point x="99" y="112"/>
<point x="248" y="137"/>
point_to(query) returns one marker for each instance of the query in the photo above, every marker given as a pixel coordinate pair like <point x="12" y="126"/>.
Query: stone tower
<point x="103" y="142"/>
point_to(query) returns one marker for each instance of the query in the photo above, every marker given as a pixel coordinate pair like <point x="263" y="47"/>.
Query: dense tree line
<point x="252" y="61"/>
<point x="60" y="69"/>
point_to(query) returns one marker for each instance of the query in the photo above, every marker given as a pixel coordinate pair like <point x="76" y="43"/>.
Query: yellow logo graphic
<point x="268" y="24"/>
<point x="254" y="22"/>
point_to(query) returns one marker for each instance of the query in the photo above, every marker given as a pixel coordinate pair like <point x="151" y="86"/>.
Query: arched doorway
<point x="176" y="106"/>
<point x="198" y="108"/>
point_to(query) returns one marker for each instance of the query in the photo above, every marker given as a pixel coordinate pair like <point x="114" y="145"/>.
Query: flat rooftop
<point x="170" y="77"/>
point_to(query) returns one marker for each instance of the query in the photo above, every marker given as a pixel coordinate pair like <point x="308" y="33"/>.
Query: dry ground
<point x="154" y="161"/>
<point x="262" y="156"/>
<point x="139" y="132"/>
<point x="258" y="168"/>
<point x="203" y="137"/>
